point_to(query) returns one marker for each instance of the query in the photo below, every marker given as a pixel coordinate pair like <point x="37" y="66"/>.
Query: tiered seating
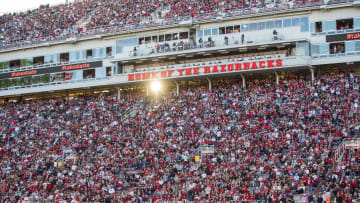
<point x="85" y="17"/>
<point x="271" y="142"/>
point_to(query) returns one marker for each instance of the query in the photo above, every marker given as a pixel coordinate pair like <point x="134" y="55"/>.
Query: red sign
<point x="207" y="70"/>
<point x="353" y="36"/>
<point x="23" y="73"/>
<point x="75" y="67"/>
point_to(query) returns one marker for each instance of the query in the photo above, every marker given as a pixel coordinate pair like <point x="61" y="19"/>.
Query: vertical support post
<point x="209" y="84"/>
<point x="118" y="93"/>
<point x="243" y="80"/>
<point x="312" y="74"/>
<point x="277" y="77"/>
<point x="177" y="88"/>
<point x="147" y="91"/>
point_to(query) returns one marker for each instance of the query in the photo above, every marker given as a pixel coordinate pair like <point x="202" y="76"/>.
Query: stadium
<point x="181" y="101"/>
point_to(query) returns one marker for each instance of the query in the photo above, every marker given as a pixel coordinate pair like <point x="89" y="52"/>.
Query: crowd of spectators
<point x="81" y="17"/>
<point x="271" y="142"/>
<point x="343" y="182"/>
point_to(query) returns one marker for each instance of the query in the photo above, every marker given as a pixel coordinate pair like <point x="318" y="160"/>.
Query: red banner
<point x="222" y="68"/>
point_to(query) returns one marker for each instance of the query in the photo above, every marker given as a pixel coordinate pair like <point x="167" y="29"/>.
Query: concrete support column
<point x="312" y="74"/>
<point x="209" y="84"/>
<point x="277" y="77"/>
<point x="177" y="88"/>
<point x="243" y="80"/>
<point x="118" y="93"/>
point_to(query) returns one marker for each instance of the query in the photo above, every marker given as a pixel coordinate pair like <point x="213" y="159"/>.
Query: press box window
<point x="39" y="60"/>
<point x="15" y="64"/>
<point x="168" y="37"/>
<point x="108" y="51"/>
<point x="318" y="26"/>
<point x="64" y="57"/>
<point x="337" y="48"/>
<point x="154" y="38"/>
<point x="229" y="29"/>
<point x="90" y="73"/>
<point x="222" y="30"/>
<point x="184" y="35"/>
<point x="89" y="53"/>
<point x="237" y="28"/>
<point x="345" y="24"/>
<point x="147" y="40"/>
<point x="108" y="71"/>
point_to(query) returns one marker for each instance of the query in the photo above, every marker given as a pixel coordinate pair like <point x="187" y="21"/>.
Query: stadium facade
<point x="309" y="39"/>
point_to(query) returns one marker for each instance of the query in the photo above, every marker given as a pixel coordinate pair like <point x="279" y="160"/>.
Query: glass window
<point x="199" y="33"/>
<point x="207" y="32"/>
<point x="30" y="61"/>
<point x="237" y="28"/>
<point x="324" y="49"/>
<point x="215" y="31"/>
<point x="345" y="24"/>
<point x="55" y="58"/>
<point x="270" y="25"/>
<point x="287" y="22"/>
<point x="72" y="56"/>
<point x="222" y="30"/>
<point x="124" y="43"/>
<point x="331" y="25"/>
<point x="349" y="46"/>
<point x="261" y="26"/>
<point x="323" y="25"/>
<point x="357" y="46"/>
<point x="119" y="46"/>
<point x="252" y="26"/>
<point x="278" y="24"/>
<point x="312" y="27"/>
<point x="295" y="21"/>
<point x="315" y="50"/>
<point x="77" y="55"/>
<point x="356" y="22"/>
<point x="304" y="26"/>
<point x="302" y="48"/>
<point x="337" y="48"/>
<point x="244" y="28"/>
<point x="318" y="27"/>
